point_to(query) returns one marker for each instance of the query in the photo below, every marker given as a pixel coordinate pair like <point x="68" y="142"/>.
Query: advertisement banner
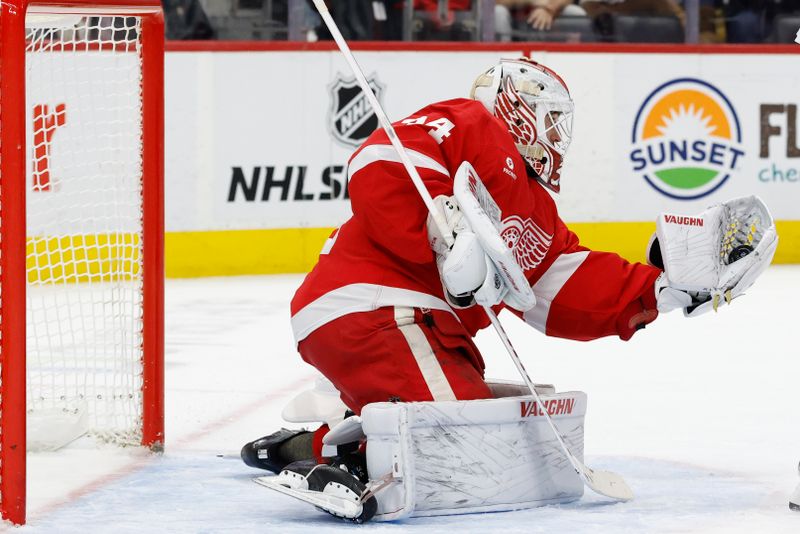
<point x="259" y="141"/>
<point x="678" y="132"/>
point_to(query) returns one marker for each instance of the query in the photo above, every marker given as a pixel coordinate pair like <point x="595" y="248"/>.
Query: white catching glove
<point x="463" y="268"/>
<point x="713" y="256"/>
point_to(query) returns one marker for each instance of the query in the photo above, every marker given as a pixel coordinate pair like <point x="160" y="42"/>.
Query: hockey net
<point x="93" y="233"/>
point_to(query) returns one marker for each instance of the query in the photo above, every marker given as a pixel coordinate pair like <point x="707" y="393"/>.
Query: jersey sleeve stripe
<point x="547" y="287"/>
<point x="375" y="153"/>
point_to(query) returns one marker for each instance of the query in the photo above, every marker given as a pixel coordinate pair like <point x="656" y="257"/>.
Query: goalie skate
<point x="277" y="450"/>
<point x="328" y="488"/>
<point x="794" y="500"/>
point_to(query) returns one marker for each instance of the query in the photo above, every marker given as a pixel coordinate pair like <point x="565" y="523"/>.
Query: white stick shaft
<point x="385" y="123"/>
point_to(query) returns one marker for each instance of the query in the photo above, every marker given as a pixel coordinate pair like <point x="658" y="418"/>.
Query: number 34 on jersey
<point x="439" y="128"/>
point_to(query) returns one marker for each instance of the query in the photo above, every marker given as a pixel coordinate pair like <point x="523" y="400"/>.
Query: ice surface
<point x="699" y="416"/>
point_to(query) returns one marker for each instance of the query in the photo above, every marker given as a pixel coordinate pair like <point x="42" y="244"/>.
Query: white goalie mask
<point x="535" y="105"/>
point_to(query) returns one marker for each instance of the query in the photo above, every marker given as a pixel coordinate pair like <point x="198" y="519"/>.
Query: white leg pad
<point x="457" y="457"/>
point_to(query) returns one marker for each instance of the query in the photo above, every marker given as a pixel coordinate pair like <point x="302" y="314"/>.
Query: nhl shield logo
<point x="352" y="118"/>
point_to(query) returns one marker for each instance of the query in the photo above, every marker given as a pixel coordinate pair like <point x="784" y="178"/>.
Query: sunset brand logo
<point x="686" y="139"/>
<point x="351" y="118"/>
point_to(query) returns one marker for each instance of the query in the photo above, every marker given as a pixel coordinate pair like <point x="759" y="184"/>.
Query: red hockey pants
<point x="397" y="354"/>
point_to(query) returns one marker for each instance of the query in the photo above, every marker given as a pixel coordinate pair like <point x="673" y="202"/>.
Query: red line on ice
<point x="146" y="458"/>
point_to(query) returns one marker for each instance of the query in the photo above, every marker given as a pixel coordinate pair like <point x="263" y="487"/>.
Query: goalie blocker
<point x="480" y="267"/>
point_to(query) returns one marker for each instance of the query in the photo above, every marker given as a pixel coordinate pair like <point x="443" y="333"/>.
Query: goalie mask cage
<point x="81" y="227"/>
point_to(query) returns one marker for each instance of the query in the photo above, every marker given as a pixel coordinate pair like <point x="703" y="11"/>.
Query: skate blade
<point x="330" y="503"/>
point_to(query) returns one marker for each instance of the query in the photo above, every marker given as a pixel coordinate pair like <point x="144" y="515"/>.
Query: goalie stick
<point x="604" y="483"/>
<point x="794" y="500"/>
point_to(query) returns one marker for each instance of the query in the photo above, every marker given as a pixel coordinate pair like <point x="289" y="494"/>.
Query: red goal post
<point x="123" y="260"/>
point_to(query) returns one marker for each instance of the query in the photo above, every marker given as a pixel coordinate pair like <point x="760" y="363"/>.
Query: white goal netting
<point x="84" y="228"/>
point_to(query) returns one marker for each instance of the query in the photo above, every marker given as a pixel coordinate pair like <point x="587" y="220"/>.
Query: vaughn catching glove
<point x="711" y="257"/>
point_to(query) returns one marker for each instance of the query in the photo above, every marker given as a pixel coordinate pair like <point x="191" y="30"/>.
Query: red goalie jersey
<point x="381" y="256"/>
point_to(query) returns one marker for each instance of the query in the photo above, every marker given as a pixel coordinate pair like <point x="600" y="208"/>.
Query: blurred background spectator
<point x="708" y="21"/>
<point x="425" y="20"/>
<point x="186" y="19"/>
<point x="355" y="19"/>
<point x="636" y="20"/>
<point x="442" y="21"/>
<point x="754" y="21"/>
<point x="539" y="14"/>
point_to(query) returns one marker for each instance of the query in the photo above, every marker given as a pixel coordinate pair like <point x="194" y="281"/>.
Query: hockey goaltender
<point x="409" y="426"/>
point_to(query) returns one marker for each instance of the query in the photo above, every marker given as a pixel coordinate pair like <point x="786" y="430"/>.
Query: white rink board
<point x="271" y="109"/>
<point x="265" y="110"/>
<point x="95" y="157"/>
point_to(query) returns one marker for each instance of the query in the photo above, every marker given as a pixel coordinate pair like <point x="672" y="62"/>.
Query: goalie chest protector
<point x="459" y="457"/>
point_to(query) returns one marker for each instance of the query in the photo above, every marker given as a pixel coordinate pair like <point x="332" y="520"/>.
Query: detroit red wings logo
<point x="529" y="242"/>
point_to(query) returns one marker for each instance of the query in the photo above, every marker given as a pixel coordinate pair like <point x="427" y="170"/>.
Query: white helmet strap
<point x="528" y="87"/>
<point x="531" y="151"/>
<point x="523" y="86"/>
<point x="484" y="80"/>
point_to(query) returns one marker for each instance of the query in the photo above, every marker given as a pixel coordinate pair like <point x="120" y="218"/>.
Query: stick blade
<point x="794" y="500"/>
<point x="607" y="484"/>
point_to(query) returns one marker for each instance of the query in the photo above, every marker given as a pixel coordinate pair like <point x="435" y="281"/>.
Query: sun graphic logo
<point x="686" y="139"/>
